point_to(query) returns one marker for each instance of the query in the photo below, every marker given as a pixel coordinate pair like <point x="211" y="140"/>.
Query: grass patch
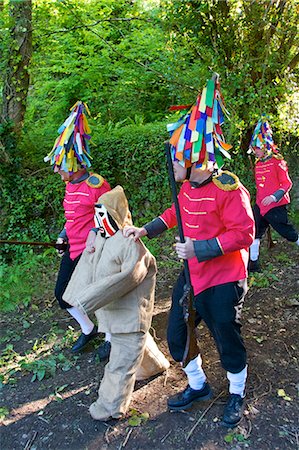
<point x="22" y="281"/>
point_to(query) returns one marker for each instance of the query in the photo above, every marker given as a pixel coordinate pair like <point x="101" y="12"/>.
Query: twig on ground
<point x="255" y="399"/>
<point x="165" y="378"/>
<point x="44" y="420"/>
<point x="166" y="436"/>
<point x="155" y="334"/>
<point x="203" y="414"/>
<point x="246" y="432"/>
<point x="127" y="438"/>
<point x="106" y="435"/>
<point x="286" y="347"/>
<point x="30" y="441"/>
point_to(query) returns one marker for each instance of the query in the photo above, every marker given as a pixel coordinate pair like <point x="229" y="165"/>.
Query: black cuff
<point x="205" y="250"/>
<point x="63" y="235"/>
<point x="278" y="194"/>
<point x="155" y="227"/>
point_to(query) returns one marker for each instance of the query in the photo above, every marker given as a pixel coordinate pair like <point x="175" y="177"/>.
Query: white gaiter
<point x="83" y="320"/>
<point x="255" y="250"/>
<point x="237" y="382"/>
<point x="195" y="374"/>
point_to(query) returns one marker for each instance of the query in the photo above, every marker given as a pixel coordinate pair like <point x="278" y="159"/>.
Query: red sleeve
<point x="283" y="175"/>
<point x="169" y="215"/>
<point x="237" y="218"/>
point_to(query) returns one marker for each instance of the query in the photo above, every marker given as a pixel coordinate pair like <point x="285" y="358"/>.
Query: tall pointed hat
<point x="262" y="137"/>
<point x="71" y="150"/>
<point x="197" y="137"/>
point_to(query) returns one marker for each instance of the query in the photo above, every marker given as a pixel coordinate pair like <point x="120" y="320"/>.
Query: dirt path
<point x="53" y="413"/>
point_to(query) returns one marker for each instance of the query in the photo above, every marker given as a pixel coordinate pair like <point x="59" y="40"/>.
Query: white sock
<point x="195" y="374"/>
<point x="255" y="250"/>
<point x="237" y="382"/>
<point x="297" y="242"/>
<point x="108" y="337"/>
<point x="83" y="320"/>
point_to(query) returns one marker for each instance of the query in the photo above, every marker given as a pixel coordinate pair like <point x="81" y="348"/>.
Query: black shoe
<point x="83" y="340"/>
<point x="184" y="400"/>
<point x="233" y="411"/>
<point x="104" y="351"/>
<point x="254" y="266"/>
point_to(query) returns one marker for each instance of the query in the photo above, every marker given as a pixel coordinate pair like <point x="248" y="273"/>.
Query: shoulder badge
<point x="95" y="180"/>
<point x="278" y="156"/>
<point x="227" y="181"/>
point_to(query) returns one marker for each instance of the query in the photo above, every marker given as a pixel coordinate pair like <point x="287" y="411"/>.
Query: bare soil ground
<point x="53" y="413"/>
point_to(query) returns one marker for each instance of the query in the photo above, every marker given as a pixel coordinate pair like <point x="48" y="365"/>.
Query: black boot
<point x="233" y="411"/>
<point x="184" y="400"/>
<point x="254" y="266"/>
<point x="104" y="351"/>
<point x="84" y="339"/>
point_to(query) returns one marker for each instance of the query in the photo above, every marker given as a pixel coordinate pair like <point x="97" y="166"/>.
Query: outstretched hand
<point x="135" y="232"/>
<point x="185" y="250"/>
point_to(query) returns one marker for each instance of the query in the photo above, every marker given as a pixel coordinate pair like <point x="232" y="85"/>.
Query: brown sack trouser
<point x="118" y="381"/>
<point x="131" y="354"/>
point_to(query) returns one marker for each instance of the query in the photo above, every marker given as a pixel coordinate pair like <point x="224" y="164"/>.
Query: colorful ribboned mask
<point x="71" y="149"/>
<point x="197" y="137"/>
<point x="104" y="221"/>
<point x="262" y="138"/>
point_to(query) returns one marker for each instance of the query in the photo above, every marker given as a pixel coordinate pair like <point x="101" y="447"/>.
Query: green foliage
<point x="263" y="279"/>
<point x="21" y="281"/>
<point x="3" y="412"/>
<point x="41" y="369"/>
<point x="133" y="156"/>
<point x="129" y="61"/>
<point x="137" y="418"/>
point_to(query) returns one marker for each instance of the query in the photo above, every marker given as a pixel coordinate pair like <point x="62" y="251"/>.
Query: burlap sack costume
<point x="117" y="282"/>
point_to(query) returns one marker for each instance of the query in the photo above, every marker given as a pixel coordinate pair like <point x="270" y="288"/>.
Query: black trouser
<point x="278" y="218"/>
<point x="67" y="267"/>
<point x="220" y="308"/>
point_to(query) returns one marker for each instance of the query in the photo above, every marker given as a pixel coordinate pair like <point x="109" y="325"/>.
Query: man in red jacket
<point x="218" y="228"/>
<point x="272" y="191"/>
<point x="70" y="159"/>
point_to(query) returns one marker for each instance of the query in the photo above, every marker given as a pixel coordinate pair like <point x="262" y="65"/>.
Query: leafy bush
<point x="23" y="280"/>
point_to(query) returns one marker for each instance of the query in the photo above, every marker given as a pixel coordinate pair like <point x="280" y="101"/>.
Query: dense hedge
<point x="132" y="156"/>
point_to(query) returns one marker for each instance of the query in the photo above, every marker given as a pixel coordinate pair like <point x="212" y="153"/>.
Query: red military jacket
<point x="79" y="201"/>
<point x="212" y="211"/>
<point x="271" y="175"/>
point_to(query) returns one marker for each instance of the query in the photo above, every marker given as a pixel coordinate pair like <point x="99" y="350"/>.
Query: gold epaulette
<point x="278" y="156"/>
<point x="95" y="180"/>
<point x="227" y="181"/>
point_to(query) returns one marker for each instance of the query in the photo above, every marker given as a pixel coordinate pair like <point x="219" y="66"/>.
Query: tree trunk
<point x="16" y="81"/>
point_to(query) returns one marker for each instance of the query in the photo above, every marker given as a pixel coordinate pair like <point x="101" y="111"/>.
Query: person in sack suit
<point x="70" y="159"/>
<point x="117" y="282"/>
<point x="273" y="185"/>
<point x="218" y="227"/>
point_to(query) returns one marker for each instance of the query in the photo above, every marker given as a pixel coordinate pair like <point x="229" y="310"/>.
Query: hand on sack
<point x="90" y="241"/>
<point x="137" y="233"/>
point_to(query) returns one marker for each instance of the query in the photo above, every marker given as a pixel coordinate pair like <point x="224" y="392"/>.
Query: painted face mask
<point x="104" y="221"/>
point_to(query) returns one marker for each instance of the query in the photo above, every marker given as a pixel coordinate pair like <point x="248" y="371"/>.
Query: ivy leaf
<point x="229" y="438"/>
<point x="135" y="421"/>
